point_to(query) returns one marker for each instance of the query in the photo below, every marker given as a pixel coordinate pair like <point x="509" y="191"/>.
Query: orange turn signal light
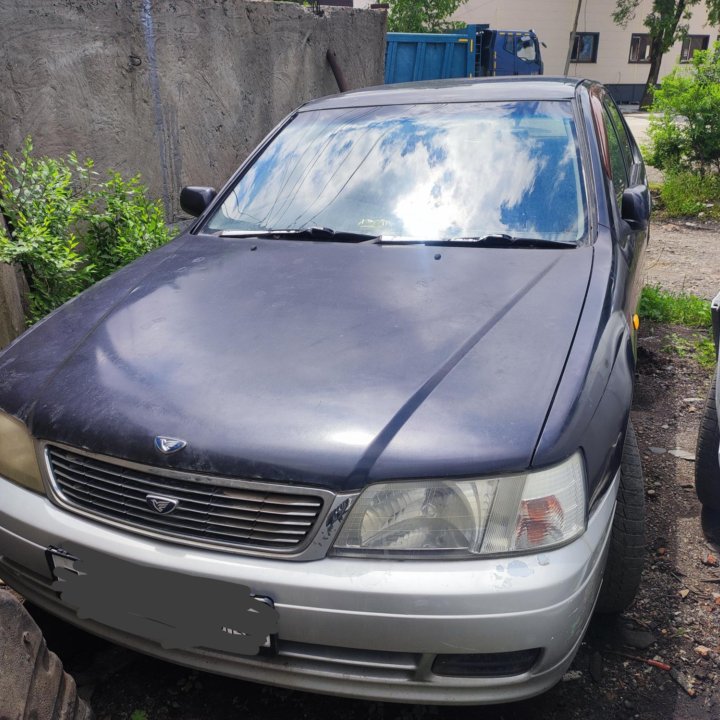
<point x="636" y="321"/>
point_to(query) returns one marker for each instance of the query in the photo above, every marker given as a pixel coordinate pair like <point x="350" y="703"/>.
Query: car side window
<point x="617" y="161"/>
<point x="625" y="145"/>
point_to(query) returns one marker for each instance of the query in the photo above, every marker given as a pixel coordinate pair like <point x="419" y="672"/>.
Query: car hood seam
<point x="359" y="474"/>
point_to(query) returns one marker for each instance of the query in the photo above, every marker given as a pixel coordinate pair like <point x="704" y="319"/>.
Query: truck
<point x="473" y="51"/>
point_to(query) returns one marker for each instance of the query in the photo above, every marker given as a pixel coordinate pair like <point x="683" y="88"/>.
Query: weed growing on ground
<point x="662" y="306"/>
<point x="705" y="353"/>
<point x="686" y="193"/>
<point x="700" y="347"/>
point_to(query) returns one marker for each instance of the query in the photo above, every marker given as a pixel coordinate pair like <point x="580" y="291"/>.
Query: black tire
<point x="626" y="555"/>
<point x="33" y="683"/>
<point x="710" y="523"/>
<point x="707" y="467"/>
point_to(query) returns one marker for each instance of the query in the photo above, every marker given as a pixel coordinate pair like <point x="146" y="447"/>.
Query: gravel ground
<point x="684" y="256"/>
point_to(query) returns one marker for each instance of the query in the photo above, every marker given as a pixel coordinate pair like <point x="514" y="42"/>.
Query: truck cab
<point x="508" y="52"/>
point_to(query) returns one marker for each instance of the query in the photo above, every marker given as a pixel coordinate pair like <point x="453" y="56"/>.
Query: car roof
<point x="455" y="90"/>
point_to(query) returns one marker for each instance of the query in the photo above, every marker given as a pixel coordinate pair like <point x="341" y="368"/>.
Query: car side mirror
<point x="195" y="200"/>
<point x="636" y="206"/>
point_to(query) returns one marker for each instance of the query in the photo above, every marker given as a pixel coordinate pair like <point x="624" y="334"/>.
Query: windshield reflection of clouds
<point x="425" y="171"/>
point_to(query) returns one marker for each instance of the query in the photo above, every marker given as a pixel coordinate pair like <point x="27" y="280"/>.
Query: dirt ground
<point x="683" y="256"/>
<point x="674" y="620"/>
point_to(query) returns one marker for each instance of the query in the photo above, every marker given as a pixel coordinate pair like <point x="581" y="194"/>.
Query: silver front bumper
<point x="365" y="628"/>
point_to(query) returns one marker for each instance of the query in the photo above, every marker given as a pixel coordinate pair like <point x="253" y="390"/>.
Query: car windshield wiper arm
<point x="306" y="233"/>
<point x="495" y="240"/>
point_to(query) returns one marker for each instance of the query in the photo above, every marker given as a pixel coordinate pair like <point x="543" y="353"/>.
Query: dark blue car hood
<point x="308" y="362"/>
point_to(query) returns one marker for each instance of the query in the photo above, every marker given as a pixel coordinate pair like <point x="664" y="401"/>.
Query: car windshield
<point x="421" y="172"/>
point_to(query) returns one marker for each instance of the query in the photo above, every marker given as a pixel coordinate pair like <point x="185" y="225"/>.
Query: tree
<point x="667" y="23"/>
<point x="419" y="16"/>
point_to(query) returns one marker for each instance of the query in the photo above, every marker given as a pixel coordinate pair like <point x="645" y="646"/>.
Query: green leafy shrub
<point x="68" y="228"/>
<point x="123" y="226"/>
<point x="684" y="129"/>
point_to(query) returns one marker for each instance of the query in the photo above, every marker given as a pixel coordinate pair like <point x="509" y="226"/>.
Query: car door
<point x="629" y="181"/>
<point x="504" y="56"/>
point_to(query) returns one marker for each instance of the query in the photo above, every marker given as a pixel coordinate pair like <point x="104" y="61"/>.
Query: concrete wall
<point x="179" y="90"/>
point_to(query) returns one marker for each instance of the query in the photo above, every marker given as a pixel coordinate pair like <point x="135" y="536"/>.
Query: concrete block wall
<point x="178" y="90"/>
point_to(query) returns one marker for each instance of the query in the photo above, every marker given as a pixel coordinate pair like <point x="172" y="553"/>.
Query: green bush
<point x="68" y="227"/>
<point x="687" y="193"/>
<point x="684" y="129"/>
<point x="123" y="226"/>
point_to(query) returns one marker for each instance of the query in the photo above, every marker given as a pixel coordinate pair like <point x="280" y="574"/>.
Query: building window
<point x="585" y="47"/>
<point x="691" y="43"/>
<point x="639" y="48"/>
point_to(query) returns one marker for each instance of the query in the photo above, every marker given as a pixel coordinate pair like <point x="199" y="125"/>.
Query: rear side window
<point x="617" y="161"/>
<point x="625" y="146"/>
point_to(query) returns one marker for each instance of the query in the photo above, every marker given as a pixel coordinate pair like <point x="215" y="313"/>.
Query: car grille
<point x="242" y="517"/>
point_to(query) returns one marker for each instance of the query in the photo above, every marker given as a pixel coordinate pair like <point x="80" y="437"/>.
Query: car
<point x="707" y="464"/>
<point x="363" y="427"/>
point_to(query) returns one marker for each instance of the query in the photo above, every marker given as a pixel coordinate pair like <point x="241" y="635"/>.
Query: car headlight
<point x="468" y="517"/>
<point x="18" y="461"/>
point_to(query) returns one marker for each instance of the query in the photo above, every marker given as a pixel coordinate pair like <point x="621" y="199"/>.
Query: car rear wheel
<point x="707" y="468"/>
<point x="626" y="554"/>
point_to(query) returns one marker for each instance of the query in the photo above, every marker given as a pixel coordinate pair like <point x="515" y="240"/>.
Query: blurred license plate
<point x="178" y="611"/>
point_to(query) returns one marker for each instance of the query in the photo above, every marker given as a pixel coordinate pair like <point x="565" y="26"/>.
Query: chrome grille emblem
<point x="162" y="505"/>
<point x="168" y="445"/>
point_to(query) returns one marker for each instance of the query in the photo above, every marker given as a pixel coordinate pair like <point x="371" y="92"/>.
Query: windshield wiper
<point x="494" y="240"/>
<point x="306" y="233"/>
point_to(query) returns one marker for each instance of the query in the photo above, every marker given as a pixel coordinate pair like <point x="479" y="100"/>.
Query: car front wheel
<point x="626" y="554"/>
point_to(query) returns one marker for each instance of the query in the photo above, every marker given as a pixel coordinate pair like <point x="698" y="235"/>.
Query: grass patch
<point x="675" y="308"/>
<point x="705" y="353"/>
<point x="689" y="194"/>
<point x="699" y="347"/>
<point x="677" y="345"/>
<point x="686" y="310"/>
